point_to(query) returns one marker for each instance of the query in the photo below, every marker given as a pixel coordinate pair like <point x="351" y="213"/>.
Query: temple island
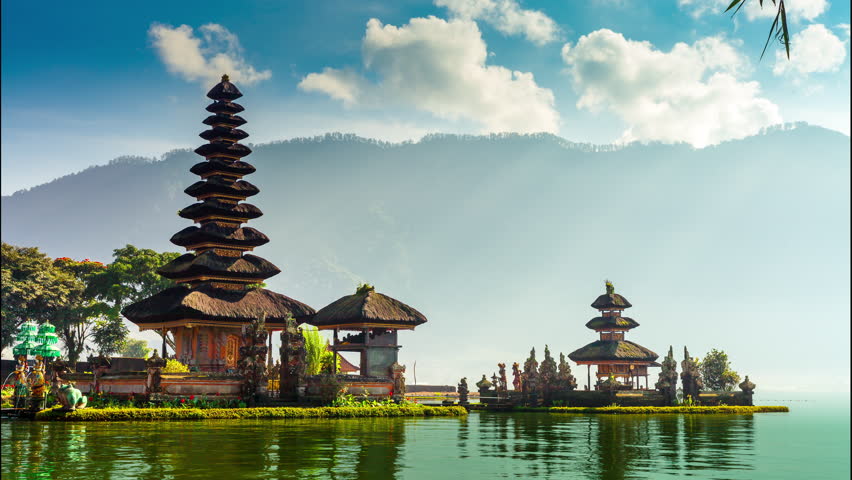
<point x="222" y="319"/>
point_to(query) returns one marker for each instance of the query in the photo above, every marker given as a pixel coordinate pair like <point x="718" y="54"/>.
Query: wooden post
<point x="269" y="353"/>
<point x="589" y="376"/>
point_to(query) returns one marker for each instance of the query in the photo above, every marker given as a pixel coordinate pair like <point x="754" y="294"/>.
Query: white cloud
<point x="203" y="59"/>
<point x="438" y="66"/>
<point x="507" y="17"/>
<point x="690" y="94"/>
<point x="843" y="27"/>
<point x="814" y="49"/>
<point x="796" y="9"/>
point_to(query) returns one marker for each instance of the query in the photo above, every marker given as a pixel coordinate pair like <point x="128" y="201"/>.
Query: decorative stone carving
<point x="502" y="384"/>
<point x="516" y="373"/>
<point x="100" y="365"/>
<point x="293" y="360"/>
<point x="565" y="380"/>
<point x="667" y="382"/>
<point x="747" y="386"/>
<point x="396" y="373"/>
<point x="154" y="365"/>
<point x="690" y="377"/>
<point x="483" y="384"/>
<point x="530" y="379"/>
<point x="36" y="383"/>
<point x="252" y="363"/>
<point x="71" y="398"/>
<point x="462" y="389"/>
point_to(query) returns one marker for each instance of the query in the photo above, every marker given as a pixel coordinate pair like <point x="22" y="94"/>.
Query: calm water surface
<point x="811" y="442"/>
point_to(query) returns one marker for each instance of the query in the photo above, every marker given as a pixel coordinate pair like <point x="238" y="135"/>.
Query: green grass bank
<point x="143" y="414"/>
<point x="615" y="410"/>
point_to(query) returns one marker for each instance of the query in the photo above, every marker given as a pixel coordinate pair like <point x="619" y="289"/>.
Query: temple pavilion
<point x="374" y="320"/>
<point x="217" y="289"/>
<point x="612" y="354"/>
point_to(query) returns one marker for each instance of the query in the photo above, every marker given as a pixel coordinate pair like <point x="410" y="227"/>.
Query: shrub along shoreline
<point x="616" y="410"/>
<point x="143" y="414"/>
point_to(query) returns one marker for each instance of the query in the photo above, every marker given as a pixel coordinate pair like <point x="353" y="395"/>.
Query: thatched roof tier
<point x="367" y="309"/>
<point x="212" y="207"/>
<point x="237" y="168"/>
<point x="224" y="90"/>
<point x="217" y="184"/>
<point x="611" y="300"/>
<point x="213" y="233"/>
<point x="615" y="323"/>
<point x="231" y="134"/>
<point x="224" y="120"/>
<point x="225" y="149"/>
<point x="210" y="264"/>
<point x="182" y="304"/>
<point x="604" y="350"/>
<point x="225" y="108"/>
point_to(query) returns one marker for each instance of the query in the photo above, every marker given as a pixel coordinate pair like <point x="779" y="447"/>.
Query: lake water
<point x="810" y="442"/>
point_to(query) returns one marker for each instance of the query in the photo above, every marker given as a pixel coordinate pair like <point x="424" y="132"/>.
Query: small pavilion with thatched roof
<point x="375" y="319"/>
<point x="218" y="282"/>
<point x="612" y="354"/>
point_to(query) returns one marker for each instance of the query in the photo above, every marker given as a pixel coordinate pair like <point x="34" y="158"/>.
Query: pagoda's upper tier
<point x="612" y="323"/>
<point x="610" y="300"/>
<point x="237" y="168"/>
<point x="224" y="133"/>
<point x="224" y="90"/>
<point x="223" y="149"/>
<point x="213" y="233"/>
<point x="221" y="185"/>
<point x="224" y="120"/>
<point x="214" y="208"/>
<point x="225" y="108"/>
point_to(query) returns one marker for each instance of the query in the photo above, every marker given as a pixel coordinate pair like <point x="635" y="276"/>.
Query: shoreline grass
<point x="616" y="410"/>
<point x="150" y="414"/>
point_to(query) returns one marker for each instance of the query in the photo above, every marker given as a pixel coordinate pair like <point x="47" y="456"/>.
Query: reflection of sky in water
<point x="795" y="445"/>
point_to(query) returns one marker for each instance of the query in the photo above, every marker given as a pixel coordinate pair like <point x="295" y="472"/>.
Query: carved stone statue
<point x="516" y="373"/>
<point x="667" y="382"/>
<point x="530" y="382"/>
<point x="747" y="386"/>
<point x="396" y="373"/>
<point x="462" y="388"/>
<point x="21" y="389"/>
<point x="154" y="365"/>
<point x="100" y="365"/>
<point x="690" y="377"/>
<point x="293" y="360"/>
<point x="36" y="383"/>
<point x="502" y="384"/>
<point x="566" y="380"/>
<point x="483" y="384"/>
<point x="71" y="398"/>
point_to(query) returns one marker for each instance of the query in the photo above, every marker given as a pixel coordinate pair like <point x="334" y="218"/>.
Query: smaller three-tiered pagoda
<point x="612" y="354"/>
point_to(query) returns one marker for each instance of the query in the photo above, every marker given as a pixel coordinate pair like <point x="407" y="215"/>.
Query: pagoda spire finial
<point x="225" y="77"/>
<point x="609" y="288"/>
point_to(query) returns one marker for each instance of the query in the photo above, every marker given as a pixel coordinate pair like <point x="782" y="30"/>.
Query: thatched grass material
<point x="613" y="350"/>
<point x="212" y="232"/>
<point x="612" y="300"/>
<point x="214" y="164"/>
<point x="142" y="414"/>
<point x="209" y="263"/>
<point x="222" y="185"/>
<point x="658" y="410"/>
<point x="208" y="303"/>
<point x="611" y="322"/>
<point x="367" y="307"/>
<point x="212" y="206"/>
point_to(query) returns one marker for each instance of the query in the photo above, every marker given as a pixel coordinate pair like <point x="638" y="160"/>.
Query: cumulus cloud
<point x="814" y="49"/>
<point x="438" y="66"/>
<point x="796" y="9"/>
<point x="691" y="94"/>
<point x="507" y="17"/>
<point x="204" y="57"/>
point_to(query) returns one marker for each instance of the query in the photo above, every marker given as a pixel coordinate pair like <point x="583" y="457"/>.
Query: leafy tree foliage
<point x="32" y="289"/>
<point x="319" y="357"/>
<point x="778" y="30"/>
<point x="716" y="371"/>
<point x="135" y="348"/>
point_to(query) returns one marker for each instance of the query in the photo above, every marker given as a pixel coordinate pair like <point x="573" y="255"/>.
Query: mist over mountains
<point x="503" y="241"/>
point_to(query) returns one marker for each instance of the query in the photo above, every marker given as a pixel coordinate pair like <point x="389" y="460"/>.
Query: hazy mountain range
<point x="504" y="241"/>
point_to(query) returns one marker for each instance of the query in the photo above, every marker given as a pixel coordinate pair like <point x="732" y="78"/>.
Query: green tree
<point x="32" y="289"/>
<point x="319" y="357"/>
<point x="716" y="371"/>
<point x="135" y="348"/>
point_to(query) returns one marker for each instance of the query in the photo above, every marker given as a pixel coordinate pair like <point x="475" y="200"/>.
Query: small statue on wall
<point x="690" y="377"/>
<point x="565" y="380"/>
<point x="516" y="373"/>
<point x="463" y="392"/>
<point x="252" y="363"/>
<point x="502" y="384"/>
<point x="667" y="382"/>
<point x="293" y="360"/>
<point x="747" y="386"/>
<point x="154" y="365"/>
<point x="396" y="372"/>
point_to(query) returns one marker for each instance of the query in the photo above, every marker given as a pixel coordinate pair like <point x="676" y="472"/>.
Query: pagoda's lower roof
<point x="233" y="134"/>
<point x="229" y="120"/>
<point x="213" y="233"/>
<point x="608" y="350"/>
<point x="208" y="303"/>
<point x="621" y="323"/>
<point x="220" y="165"/>
<point x="214" y="207"/>
<point x="223" y="148"/>
<point x="210" y="264"/>
<point x="225" y="107"/>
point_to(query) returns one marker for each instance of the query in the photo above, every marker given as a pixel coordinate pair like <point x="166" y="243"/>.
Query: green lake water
<point x="810" y="442"/>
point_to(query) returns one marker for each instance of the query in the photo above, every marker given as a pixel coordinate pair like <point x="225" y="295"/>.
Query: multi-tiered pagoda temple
<point x="217" y="283"/>
<point x="612" y="354"/>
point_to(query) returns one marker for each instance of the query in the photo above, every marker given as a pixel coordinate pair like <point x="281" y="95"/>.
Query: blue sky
<point x="84" y="85"/>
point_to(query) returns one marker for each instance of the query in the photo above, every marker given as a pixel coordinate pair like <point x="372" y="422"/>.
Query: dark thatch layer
<point x="223" y="148"/>
<point x="224" y="90"/>
<point x="222" y="185"/>
<point x="214" y="164"/>
<point x="367" y="307"/>
<point x="225" y="108"/>
<point x="211" y="232"/>
<point x="598" y="323"/>
<point x="612" y="300"/>
<point x="231" y="121"/>
<point x="208" y="263"/>
<point x="206" y="302"/>
<point x="233" y="134"/>
<point x="613" y="350"/>
<point x="212" y="206"/>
